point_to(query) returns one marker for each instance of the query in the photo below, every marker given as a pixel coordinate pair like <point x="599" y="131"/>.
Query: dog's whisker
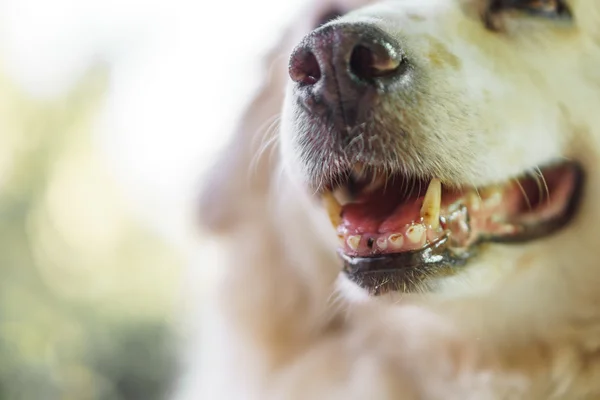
<point x="269" y="146"/>
<point x="533" y="174"/>
<point x="476" y="190"/>
<point x="544" y="183"/>
<point x="267" y="134"/>
<point x="264" y="128"/>
<point x="336" y="304"/>
<point x="524" y="193"/>
<point x="270" y="138"/>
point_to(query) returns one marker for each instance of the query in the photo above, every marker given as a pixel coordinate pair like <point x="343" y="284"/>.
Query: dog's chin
<point x="399" y="232"/>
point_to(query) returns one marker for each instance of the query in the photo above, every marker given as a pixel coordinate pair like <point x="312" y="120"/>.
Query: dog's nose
<point x="342" y="67"/>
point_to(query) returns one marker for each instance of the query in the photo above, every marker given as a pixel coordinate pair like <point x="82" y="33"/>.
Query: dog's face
<point x="435" y="131"/>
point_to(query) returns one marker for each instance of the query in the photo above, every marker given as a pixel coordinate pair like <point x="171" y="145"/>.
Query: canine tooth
<point x="382" y="242"/>
<point x="342" y="196"/>
<point x="334" y="209"/>
<point x="396" y="240"/>
<point x="430" y="211"/>
<point x="415" y="233"/>
<point x="353" y="242"/>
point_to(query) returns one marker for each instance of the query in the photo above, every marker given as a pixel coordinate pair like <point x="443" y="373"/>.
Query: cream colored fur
<point x="521" y="322"/>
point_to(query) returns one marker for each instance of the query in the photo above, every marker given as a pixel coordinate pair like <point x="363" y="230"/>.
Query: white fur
<point x="521" y="322"/>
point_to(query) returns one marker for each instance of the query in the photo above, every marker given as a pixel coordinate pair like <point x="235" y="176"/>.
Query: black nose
<point x="340" y="69"/>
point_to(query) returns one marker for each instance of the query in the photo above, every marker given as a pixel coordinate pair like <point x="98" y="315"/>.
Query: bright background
<point x="109" y="112"/>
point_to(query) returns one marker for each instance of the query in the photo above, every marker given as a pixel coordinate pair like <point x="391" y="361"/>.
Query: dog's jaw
<point x="451" y="112"/>
<point x="528" y="314"/>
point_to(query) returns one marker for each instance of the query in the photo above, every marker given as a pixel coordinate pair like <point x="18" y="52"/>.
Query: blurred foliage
<point x="86" y="292"/>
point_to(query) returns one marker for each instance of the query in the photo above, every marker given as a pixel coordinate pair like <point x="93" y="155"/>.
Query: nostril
<point x="304" y="68"/>
<point x="374" y="61"/>
<point x="361" y="62"/>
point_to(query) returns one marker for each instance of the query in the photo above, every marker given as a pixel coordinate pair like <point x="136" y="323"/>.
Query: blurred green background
<point x="87" y="292"/>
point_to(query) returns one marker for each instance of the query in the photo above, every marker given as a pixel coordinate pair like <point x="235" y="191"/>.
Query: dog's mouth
<point x="397" y="230"/>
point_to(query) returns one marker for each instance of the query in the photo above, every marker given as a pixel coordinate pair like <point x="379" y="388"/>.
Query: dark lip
<point x="408" y="271"/>
<point x="404" y="272"/>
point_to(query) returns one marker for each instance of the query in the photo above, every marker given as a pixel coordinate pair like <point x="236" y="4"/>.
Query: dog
<point x="409" y="208"/>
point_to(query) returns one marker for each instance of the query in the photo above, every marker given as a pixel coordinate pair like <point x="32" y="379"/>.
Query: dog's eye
<point x="538" y="8"/>
<point x="328" y="16"/>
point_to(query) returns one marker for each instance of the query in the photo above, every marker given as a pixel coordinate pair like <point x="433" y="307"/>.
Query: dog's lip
<point x="398" y="271"/>
<point x="403" y="271"/>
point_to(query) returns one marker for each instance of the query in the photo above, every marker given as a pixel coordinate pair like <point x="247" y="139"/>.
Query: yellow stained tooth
<point x="416" y="233"/>
<point x="396" y="240"/>
<point x="334" y="209"/>
<point x="353" y="242"/>
<point x="430" y="211"/>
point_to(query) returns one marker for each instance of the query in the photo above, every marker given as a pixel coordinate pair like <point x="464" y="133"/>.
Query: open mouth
<point x="397" y="230"/>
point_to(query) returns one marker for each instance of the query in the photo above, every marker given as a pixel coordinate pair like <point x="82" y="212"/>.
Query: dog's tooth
<point x="396" y="241"/>
<point x="334" y="209"/>
<point x="473" y="201"/>
<point x="342" y="196"/>
<point x="416" y="233"/>
<point x="430" y="211"/>
<point x="382" y="242"/>
<point x="492" y="196"/>
<point x="353" y="242"/>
